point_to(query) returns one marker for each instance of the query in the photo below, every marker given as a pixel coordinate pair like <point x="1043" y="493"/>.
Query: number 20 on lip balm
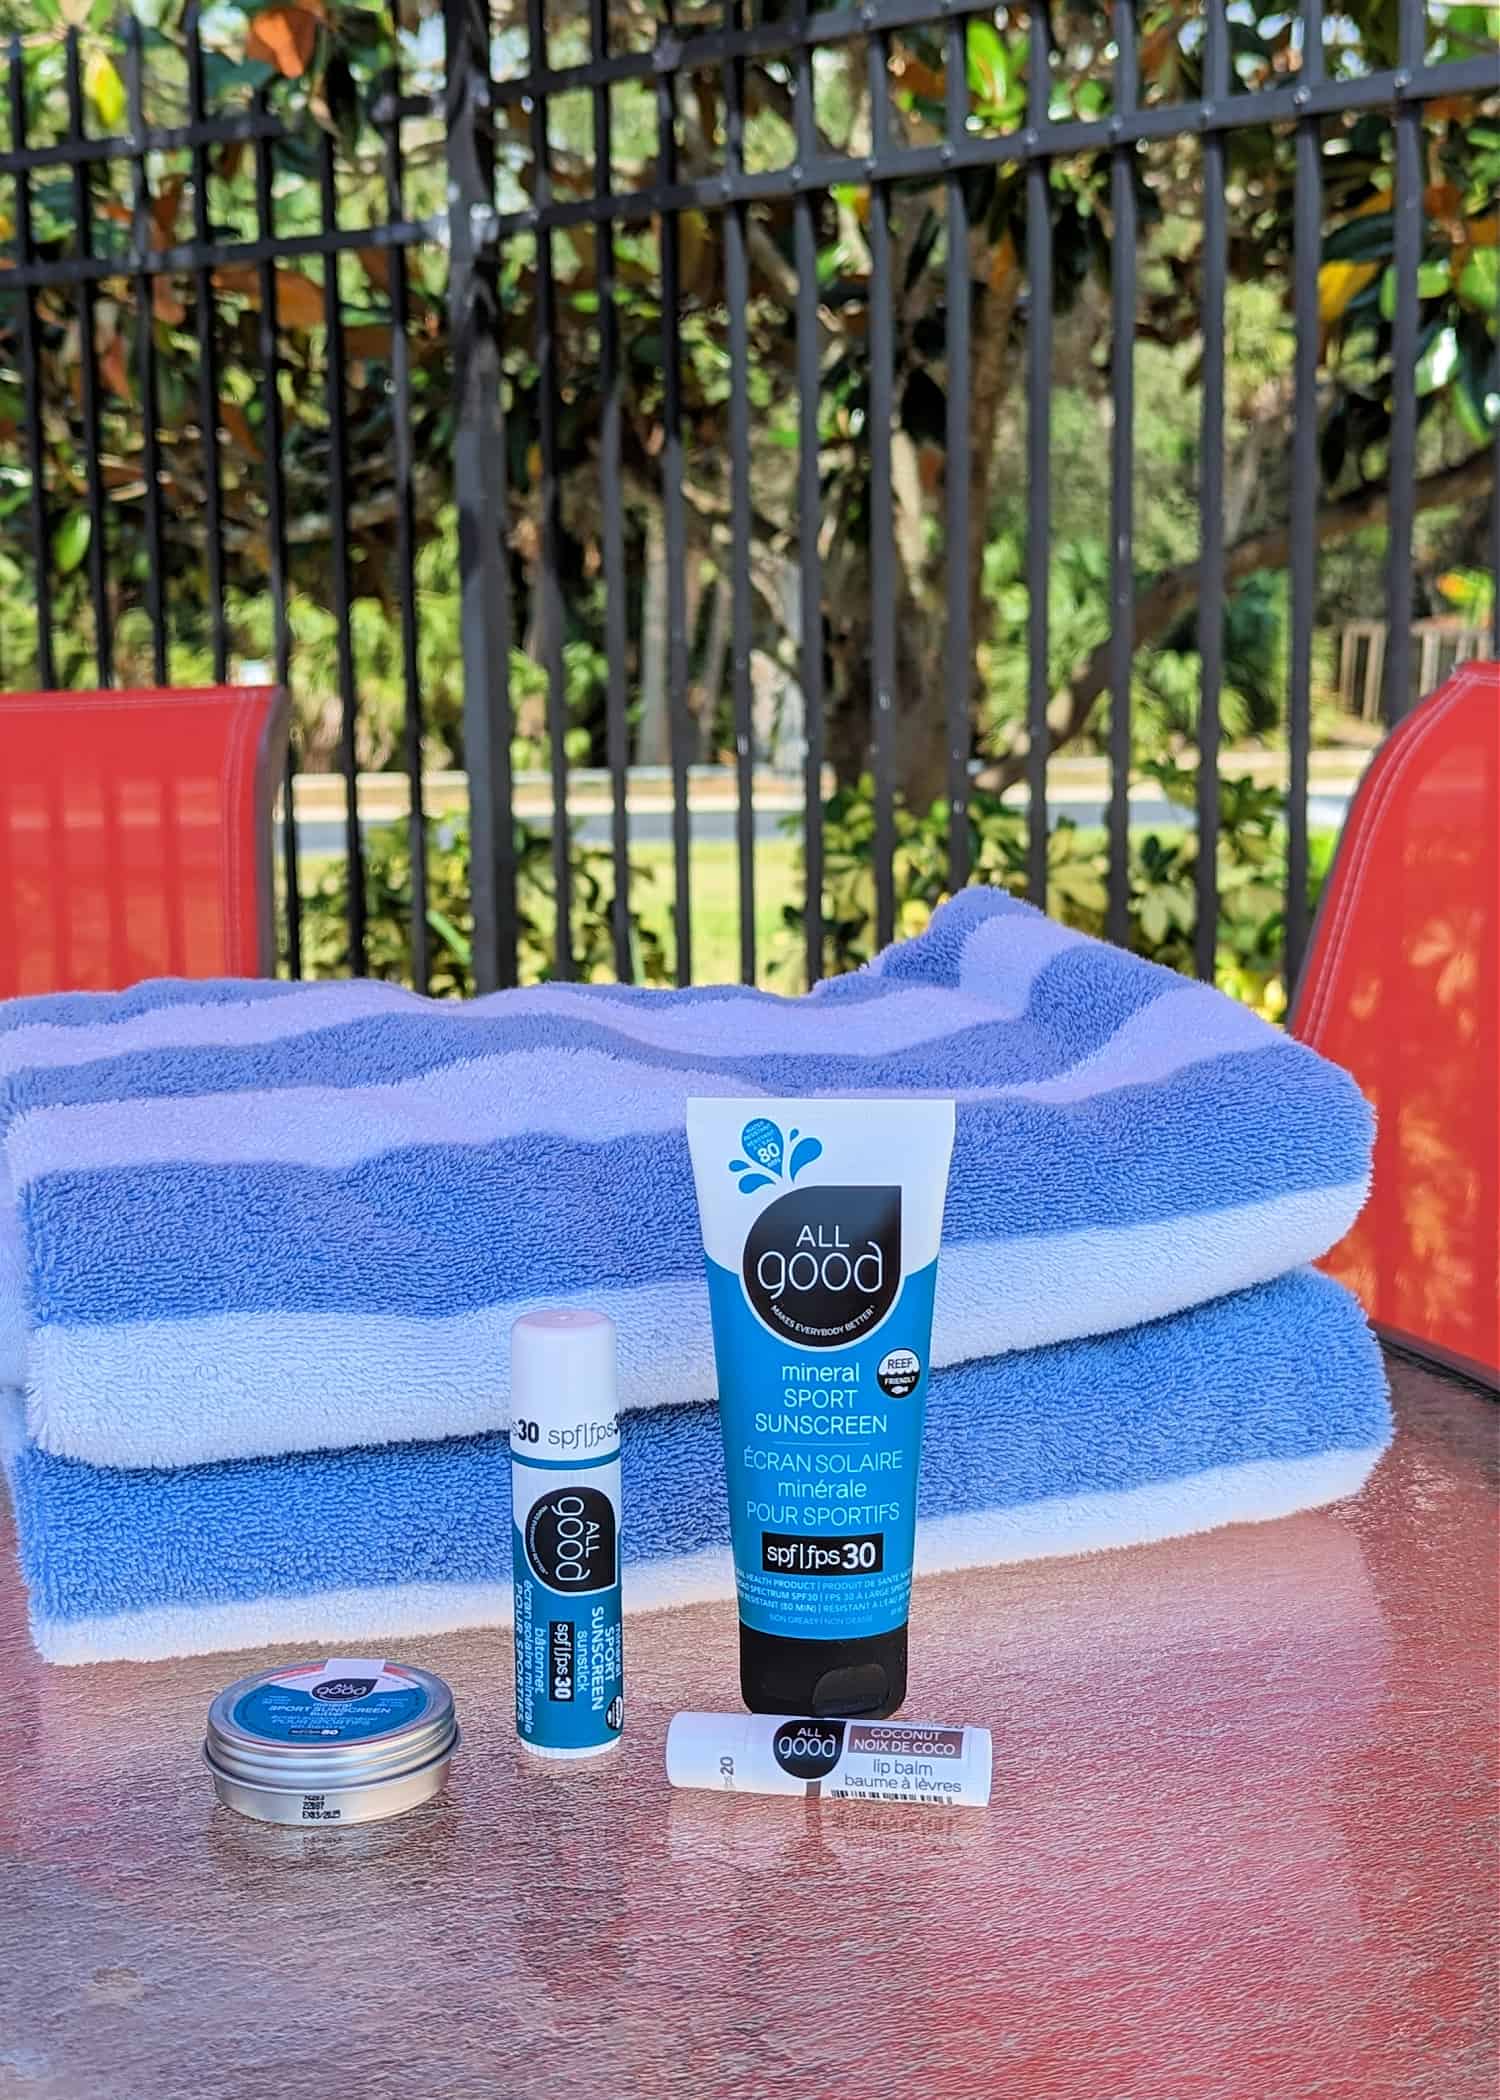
<point x="565" y="1492"/>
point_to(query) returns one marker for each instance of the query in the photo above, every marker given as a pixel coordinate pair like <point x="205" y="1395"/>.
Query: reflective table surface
<point x="1241" y="1848"/>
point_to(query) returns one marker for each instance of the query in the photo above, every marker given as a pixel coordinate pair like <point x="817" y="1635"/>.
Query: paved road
<point x="318" y="835"/>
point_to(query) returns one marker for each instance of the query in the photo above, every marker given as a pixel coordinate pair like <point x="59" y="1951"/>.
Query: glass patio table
<point x="1240" y="1848"/>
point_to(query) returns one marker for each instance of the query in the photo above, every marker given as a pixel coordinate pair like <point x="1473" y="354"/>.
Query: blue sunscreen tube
<point x="821" y="1221"/>
<point x="565" y="1494"/>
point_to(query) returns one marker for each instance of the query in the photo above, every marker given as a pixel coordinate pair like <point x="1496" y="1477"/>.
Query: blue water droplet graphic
<point x="763" y="1144"/>
<point x="804" y="1154"/>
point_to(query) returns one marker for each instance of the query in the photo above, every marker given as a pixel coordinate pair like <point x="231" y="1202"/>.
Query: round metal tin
<point x="283" y="1760"/>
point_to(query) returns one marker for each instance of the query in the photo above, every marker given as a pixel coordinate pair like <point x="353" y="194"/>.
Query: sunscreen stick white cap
<point x="563" y="1371"/>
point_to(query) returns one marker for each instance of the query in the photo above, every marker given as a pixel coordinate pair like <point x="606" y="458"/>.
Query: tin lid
<point x="347" y="1722"/>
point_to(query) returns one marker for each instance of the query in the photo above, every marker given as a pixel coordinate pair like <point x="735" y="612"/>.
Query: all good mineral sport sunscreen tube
<point x="821" y="1222"/>
<point x="926" y="1764"/>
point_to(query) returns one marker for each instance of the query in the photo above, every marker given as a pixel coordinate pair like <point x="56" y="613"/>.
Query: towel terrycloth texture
<point x="247" y="1219"/>
<point x="1254" y="1406"/>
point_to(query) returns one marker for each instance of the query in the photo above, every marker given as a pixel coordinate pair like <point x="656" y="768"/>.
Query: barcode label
<point x="872" y="1793"/>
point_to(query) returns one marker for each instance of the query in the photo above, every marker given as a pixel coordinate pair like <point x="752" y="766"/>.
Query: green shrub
<point x="1162" y="874"/>
<point x="450" y="917"/>
<point x="1162" y="869"/>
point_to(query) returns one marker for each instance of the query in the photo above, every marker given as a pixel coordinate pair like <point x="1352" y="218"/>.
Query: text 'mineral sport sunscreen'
<point x="565" y="1493"/>
<point x="821" y="1221"/>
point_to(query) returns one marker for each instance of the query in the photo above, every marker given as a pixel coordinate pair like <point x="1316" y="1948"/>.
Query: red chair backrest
<point x="135" y="835"/>
<point x="1402" y="987"/>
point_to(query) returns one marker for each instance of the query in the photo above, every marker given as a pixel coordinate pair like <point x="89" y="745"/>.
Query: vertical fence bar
<point x="673" y="521"/>
<point x="88" y="372"/>
<point x="479" y="474"/>
<point x="958" y="450"/>
<point x="404" y="466"/>
<point x="1038" y="454"/>
<point x="882" y="496"/>
<point x="1211" y="495"/>
<point x="145" y="349"/>
<point x="611" y="409"/>
<point x="1307" y="235"/>
<point x="1121" y="476"/>
<point x="271" y="442"/>
<point x="549" y="588"/>
<point x="809" y="508"/>
<point x="31" y="383"/>
<point x="737" y="300"/>
<point x="208" y="355"/>
<point x="1404" y="331"/>
<point x="343" y="584"/>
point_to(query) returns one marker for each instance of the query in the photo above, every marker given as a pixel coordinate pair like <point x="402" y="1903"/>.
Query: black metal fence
<point x="924" y="130"/>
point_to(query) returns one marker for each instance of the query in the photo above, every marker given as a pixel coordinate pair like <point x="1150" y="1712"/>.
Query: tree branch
<point x="1162" y="604"/>
<point x="764" y="253"/>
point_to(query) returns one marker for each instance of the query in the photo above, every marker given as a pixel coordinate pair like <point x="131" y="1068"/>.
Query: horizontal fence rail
<point x="303" y="358"/>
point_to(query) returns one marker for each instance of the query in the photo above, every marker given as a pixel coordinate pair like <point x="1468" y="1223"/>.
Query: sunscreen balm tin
<point x="565" y="1493"/>
<point x="322" y="1744"/>
<point x="924" y="1764"/>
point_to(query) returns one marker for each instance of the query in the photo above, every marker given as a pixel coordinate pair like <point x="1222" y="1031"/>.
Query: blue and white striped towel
<point x="1252" y="1407"/>
<point x="251" y="1218"/>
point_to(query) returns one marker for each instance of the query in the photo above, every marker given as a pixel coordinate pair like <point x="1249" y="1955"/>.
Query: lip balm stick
<point x="565" y="1493"/>
<point x="899" y="1761"/>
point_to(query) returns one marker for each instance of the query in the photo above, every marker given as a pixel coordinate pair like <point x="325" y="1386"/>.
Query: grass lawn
<point x="716" y="907"/>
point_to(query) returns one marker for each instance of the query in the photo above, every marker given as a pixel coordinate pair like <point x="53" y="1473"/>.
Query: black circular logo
<point x="822" y="1266"/>
<point x="570" y="1540"/>
<point x="897" y="1373"/>
<point x="809" y="1749"/>
<point x="344" y="1688"/>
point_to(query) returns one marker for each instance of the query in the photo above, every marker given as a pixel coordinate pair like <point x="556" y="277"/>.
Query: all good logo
<point x="570" y="1540"/>
<point x="809" y="1749"/>
<point x="822" y="1265"/>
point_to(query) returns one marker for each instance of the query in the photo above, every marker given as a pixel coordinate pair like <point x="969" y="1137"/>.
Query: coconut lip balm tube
<point x="919" y="1763"/>
<point x="565" y="1542"/>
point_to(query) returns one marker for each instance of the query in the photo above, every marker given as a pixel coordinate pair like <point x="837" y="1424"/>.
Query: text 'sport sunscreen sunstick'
<point x="924" y="1763"/>
<point x="821" y="1222"/>
<point x="565" y="1492"/>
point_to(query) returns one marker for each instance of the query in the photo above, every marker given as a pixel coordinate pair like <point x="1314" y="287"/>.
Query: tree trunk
<point x="710" y="682"/>
<point x="922" y="584"/>
<point x="653" y="737"/>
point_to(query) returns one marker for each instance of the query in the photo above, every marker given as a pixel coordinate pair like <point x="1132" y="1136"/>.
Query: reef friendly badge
<point x="898" y="1372"/>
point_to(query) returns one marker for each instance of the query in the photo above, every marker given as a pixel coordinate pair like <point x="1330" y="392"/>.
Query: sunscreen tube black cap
<point x="779" y="1675"/>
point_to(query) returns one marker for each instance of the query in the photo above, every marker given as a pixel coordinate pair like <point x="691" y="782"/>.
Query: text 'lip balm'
<point x="565" y="1492"/>
<point x="913" y="1762"/>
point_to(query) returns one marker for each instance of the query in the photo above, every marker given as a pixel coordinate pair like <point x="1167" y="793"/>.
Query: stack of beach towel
<point x="261" y="1246"/>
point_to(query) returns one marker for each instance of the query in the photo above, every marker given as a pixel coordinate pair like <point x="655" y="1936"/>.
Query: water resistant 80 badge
<point x="565" y="1489"/>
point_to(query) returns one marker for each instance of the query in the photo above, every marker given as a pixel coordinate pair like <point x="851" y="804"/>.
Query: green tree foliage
<point x="326" y="68"/>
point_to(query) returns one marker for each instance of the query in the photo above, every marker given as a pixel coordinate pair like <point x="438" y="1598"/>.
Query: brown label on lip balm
<point x="881" y="1740"/>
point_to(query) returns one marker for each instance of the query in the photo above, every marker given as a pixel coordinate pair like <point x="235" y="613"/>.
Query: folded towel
<point x="1254" y="1406"/>
<point x="257" y="1218"/>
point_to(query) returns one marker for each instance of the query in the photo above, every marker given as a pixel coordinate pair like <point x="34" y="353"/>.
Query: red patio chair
<point x="135" y="835"/>
<point x="1402" y="986"/>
